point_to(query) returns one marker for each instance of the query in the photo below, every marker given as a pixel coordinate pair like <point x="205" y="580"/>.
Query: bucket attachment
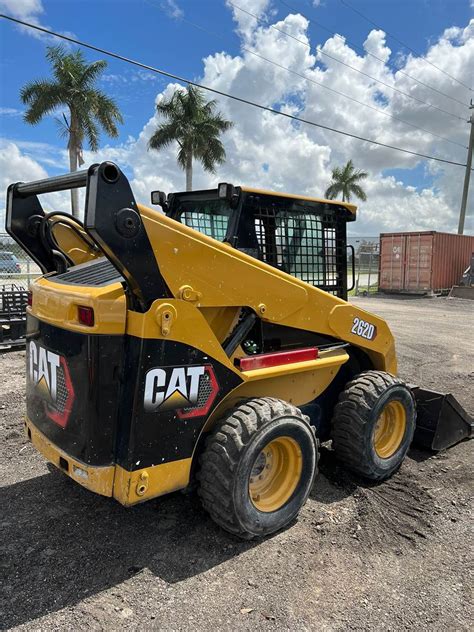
<point x="441" y="421"/>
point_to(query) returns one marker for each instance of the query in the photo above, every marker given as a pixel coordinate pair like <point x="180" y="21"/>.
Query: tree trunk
<point x="189" y="171"/>
<point x="74" y="192"/>
<point x="73" y="149"/>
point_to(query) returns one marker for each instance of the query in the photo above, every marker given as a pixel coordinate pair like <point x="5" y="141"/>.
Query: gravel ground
<point x="387" y="557"/>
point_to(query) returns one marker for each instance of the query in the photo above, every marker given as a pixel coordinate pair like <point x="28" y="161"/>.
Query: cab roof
<point x="352" y="208"/>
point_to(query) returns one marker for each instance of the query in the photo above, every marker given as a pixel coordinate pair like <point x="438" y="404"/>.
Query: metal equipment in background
<point x="13" y="302"/>
<point x="424" y="263"/>
<point x="467" y="278"/>
<point x="366" y="264"/>
<point x="17" y="272"/>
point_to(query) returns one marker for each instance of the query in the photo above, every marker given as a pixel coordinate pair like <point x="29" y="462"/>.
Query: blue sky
<point x="157" y="32"/>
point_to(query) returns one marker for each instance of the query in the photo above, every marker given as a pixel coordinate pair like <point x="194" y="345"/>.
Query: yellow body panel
<point x="300" y="384"/>
<point x="71" y="244"/>
<point x="129" y="488"/>
<point x="99" y="479"/>
<point x="188" y="326"/>
<point x="219" y="276"/>
<point x="57" y="303"/>
<point x="135" y="487"/>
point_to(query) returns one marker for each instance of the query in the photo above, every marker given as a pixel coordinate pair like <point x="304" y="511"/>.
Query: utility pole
<point x="465" y="191"/>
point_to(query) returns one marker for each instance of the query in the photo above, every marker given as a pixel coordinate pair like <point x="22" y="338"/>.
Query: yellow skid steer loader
<point x="210" y="343"/>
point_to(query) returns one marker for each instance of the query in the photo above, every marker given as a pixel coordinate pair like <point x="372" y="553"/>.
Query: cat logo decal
<point x="190" y="390"/>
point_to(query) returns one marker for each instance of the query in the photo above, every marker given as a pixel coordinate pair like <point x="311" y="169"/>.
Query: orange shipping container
<point x="423" y="262"/>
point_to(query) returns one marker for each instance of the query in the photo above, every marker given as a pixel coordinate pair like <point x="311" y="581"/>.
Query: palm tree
<point x="345" y="180"/>
<point x="195" y="125"/>
<point x="85" y="109"/>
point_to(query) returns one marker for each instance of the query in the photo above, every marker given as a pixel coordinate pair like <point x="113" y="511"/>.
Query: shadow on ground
<point x="61" y="543"/>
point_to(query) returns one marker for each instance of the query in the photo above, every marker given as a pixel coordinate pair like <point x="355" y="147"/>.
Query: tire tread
<point x="352" y="414"/>
<point x="219" y="460"/>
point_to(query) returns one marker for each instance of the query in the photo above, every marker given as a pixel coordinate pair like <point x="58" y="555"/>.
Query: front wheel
<point x="373" y="424"/>
<point x="258" y="467"/>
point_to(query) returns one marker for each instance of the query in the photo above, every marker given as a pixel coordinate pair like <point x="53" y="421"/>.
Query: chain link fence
<point x="366" y="265"/>
<point x="17" y="270"/>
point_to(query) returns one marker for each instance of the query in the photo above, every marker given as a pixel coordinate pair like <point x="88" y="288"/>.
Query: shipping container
<point x="423" y="262"/>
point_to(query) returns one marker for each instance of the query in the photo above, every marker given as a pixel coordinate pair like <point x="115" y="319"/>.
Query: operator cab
<point x="303" y="236"/>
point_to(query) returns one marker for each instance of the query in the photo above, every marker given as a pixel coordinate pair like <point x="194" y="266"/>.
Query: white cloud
<point x="30" y="11"/>
<point x="26" y="10"/>
<point x="272" y="152"/>
<point x="17" y="166"/>
<point x="172" y="9"/>
<point x="241" y="10"/>
<point x="126" y="77"/>
<point x="10" y="112"/>
<point x="22" y="9"/>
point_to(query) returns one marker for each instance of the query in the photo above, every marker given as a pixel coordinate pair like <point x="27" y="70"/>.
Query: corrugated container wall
<point x="423" y="262"/>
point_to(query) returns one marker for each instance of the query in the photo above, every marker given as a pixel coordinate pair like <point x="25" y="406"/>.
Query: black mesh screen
<point x="304" y="244"/>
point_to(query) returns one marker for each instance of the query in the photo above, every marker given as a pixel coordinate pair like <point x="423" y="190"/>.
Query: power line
<point x="340" y="61"/>
<point x="366" y="52"/>
<point x="346" y="4"/>
<point x="265" y="108"/>
<point x="317" y="83"/>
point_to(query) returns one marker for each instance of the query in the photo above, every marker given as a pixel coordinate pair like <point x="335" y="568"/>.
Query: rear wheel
<point x="373" y="424"/>
<point x="258" y="467"/>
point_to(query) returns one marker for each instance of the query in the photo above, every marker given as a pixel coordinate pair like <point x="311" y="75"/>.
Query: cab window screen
<point x="208" y="217"/>
<point x="304" y="244"/>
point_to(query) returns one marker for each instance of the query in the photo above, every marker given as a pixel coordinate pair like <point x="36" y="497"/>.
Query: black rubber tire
<point x="230" y="453"/>
<point x="355" y="416"/>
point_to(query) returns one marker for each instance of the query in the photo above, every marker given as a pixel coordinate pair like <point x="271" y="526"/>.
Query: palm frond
<point x="42" y="97"/>
<point x="163" y="136"/>
<point x="213" y="155"/>
<point x="344" y="180"/>
<point x="92" y="72"/>
<point x="194" y="124"/>
<point x="333" y="191"/>
<point x="73" y="86"/>
<point x="359" y="192"/>
<point x="183" y="155"/>
<point x="91" y="132"/>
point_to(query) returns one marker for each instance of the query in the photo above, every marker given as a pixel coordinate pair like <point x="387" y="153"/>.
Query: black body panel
<point x="80" y="416"/>
<point x="155" y="437"/>
<point x="86" y="394"/>
<point x="114" y="222"/>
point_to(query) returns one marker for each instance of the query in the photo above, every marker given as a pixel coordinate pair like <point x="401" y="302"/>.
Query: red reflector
<point x="30" y="298"/>
<point x="265" y="360"/>
<point x="85" y="315"/>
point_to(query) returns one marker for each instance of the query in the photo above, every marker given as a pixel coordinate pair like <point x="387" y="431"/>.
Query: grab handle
<point x="74" y="180"/>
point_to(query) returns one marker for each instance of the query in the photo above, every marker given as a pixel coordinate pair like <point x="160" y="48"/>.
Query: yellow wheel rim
<point x="275" y="474"/>
<point x="390" y="429"/>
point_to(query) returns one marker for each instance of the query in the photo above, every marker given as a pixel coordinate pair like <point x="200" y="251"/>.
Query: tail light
<point x="85" y="315"/>
<point x="30" y="298"/>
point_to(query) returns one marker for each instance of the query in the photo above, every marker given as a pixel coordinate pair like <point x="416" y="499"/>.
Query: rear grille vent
<point x="99" y="272"/>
